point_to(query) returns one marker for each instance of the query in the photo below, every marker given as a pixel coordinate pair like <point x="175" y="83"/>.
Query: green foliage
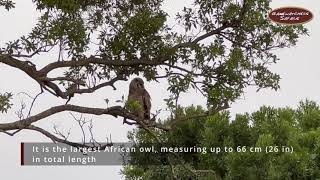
<point x="133" y="105"/>
<point x="5" y="104"/>
<point x="225" y="47"/>
<point x="262" y="144"/>
<point x="309" y="118"/>
<point x="7" y="4"/>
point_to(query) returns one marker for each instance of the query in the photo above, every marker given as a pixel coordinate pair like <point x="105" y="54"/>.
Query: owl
<point x="137" y="93"/>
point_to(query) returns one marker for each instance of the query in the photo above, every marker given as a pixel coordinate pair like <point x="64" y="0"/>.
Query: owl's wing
<point x="146" y="104"/>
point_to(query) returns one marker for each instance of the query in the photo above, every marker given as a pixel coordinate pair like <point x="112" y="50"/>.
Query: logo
<point x="290" y="15"/>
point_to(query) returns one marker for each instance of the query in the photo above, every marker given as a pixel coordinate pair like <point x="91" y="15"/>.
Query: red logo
<point x="290" y="15"/>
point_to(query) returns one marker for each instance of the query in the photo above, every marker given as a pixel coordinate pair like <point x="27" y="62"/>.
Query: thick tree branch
<point x="48" y="84"/>
<point x="113" y="111"/>
<point x="102" y="61"/>
<point x="21" y="124"/>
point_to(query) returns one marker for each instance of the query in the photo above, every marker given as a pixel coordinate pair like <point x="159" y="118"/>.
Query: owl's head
<point x="137" y="84"/>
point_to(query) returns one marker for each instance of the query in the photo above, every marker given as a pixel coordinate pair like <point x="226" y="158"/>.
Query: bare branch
<point x="11" y="134"/>
<point x="55" y="138"/>
<point x="114" y="111"/>
<point x="34" y="99"/>
<point x="81" y="122"/>
<point x="61" y="133"/>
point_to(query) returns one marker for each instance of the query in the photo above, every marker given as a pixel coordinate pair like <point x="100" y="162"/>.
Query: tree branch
<point x="20" y="124"/>
<point x="64" y="141"/>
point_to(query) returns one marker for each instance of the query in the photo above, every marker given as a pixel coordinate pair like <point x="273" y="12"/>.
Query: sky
<point x="298" y="68"/>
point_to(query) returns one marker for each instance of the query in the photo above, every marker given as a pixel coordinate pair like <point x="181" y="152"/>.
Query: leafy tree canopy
<point x="274" y="128"/>
<point x="218" y="47"/>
